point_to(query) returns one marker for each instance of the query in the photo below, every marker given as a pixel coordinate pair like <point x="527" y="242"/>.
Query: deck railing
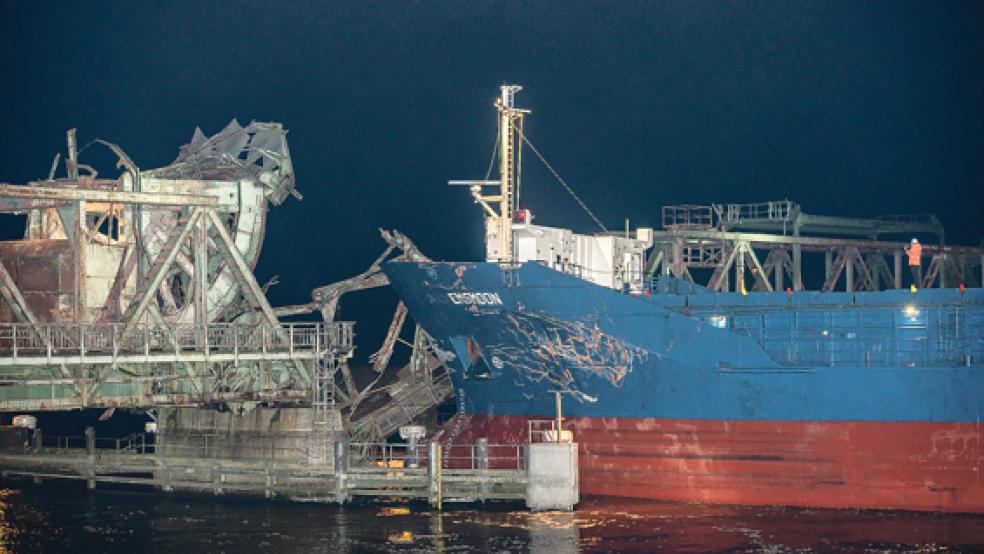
<point x="361" y="455"/>
<point x="458" y="456"/>
<point x="137" y="443"/>
<point x="49" y="340"/>
<point x="545" y="430"/>
<point x="687" y="216"/>
<point x="775" y="211"/>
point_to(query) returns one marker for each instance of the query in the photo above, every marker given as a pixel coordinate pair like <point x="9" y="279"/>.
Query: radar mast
<point x="498" y="222"/>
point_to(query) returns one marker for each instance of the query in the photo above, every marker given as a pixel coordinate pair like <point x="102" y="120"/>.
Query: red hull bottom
<point x="831" y="464"/>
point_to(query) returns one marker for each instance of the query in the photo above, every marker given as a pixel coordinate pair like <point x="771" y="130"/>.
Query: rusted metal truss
<point x="787" y="217"/>
<point x="139" y="292"/>
<point x="849" y="264"/>
<point x="730" y="238"/>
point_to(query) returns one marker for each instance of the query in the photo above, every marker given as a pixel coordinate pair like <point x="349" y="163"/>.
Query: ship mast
<point x="498" y="222"/>
<point x="510" y="143"/>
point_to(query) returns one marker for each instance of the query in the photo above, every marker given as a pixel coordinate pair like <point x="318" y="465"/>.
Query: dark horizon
<point x="848" y="109"/>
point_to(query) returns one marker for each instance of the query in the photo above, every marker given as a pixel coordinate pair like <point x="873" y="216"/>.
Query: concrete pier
<point x="552" y="476"/>
<point x="271" y="434"/>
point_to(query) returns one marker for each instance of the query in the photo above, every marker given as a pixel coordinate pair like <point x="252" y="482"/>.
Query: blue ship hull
<point x="817" y="372"/>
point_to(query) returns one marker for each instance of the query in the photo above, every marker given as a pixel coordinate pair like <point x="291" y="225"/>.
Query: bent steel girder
<point x="371" y="412"/>
<point x="147" y="295"/>
<point x="238" y="170"/>
<point x="249" y="167"/>
<point x="325" y="298"/>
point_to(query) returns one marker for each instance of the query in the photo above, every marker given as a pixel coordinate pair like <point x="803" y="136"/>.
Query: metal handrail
<point x="140" y="443"/>
<point x="395" y="455"/>
<point x="776" y="210"/>
<point x="545" y="430"/>
<point x="23" y="339"/>
<point x="512" y="455"/>
<point x="63" y="442"/>
<point x="687" y="216"/>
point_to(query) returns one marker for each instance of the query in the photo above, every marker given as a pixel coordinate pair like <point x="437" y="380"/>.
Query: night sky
<point x="849" y="108"/>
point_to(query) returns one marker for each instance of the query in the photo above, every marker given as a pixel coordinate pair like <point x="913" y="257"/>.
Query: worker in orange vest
<point x="915" y="262"/>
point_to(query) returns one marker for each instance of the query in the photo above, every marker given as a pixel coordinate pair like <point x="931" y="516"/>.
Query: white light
<point x="911" y="311"/>
<point x="718" y="321"/>
<point x="25" y="421"/>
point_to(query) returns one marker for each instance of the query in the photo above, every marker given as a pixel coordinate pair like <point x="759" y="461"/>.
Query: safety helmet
<point x="915" y="240"/>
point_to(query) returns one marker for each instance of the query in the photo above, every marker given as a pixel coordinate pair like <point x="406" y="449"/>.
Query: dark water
<point x="63" y="516"/>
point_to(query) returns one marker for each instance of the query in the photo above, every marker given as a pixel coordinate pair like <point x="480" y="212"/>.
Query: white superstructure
<point x="610" y="260"/>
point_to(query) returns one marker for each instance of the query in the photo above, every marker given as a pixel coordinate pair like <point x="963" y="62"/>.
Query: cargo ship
<point x="744" y="387"/>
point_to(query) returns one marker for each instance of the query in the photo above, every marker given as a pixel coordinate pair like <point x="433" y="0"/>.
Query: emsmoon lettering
<point x="480" y="298"/>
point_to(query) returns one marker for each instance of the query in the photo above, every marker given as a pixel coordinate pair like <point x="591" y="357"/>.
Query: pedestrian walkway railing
<point x="480" y="455"/>
<point x="139" y="443"/>
<point x="59" y="341"/>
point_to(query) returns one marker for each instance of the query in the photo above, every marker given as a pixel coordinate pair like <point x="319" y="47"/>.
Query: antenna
<point x="507" y="93"/>
<point x="498" y="223"/>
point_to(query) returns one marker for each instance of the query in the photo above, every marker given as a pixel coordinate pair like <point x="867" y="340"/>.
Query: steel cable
<point x="560" y="179"/>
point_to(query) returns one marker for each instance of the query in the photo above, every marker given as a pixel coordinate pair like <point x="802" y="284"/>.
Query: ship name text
<point x="480" y="298"/>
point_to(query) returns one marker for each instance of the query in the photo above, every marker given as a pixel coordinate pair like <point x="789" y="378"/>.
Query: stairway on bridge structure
<point x="404" y="401"/>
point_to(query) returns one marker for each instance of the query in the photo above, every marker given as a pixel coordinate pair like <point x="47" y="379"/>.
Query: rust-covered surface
<point x="123" y="289"/>
<point x="44" y="272"/>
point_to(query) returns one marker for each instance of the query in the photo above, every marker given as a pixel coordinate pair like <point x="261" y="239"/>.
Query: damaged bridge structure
<point x="138" y="293"/>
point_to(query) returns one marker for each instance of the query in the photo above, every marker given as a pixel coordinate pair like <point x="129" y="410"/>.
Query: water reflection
<point x="553" y="532"/>
<point x="64" y="516"/>
<point x="7" y="531"/>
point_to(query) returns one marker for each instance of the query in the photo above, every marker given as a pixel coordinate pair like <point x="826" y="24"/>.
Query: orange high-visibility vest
<point x="914" y="252"/>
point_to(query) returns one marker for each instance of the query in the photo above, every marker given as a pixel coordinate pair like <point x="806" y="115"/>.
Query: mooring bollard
<point x="90" y="441"/>
<point x="90" y="451"/>
<point x="341" y="469"/>
<point x="165" y="476"/>
<point x="482" y="462"/>
<point x="412" y="460"/>
<point x="36" y="448"/>
<point x="36" y="440"/>
<point x="412" y="434"/>
<point x="218" y="478"/>
<point x="481" y="453"/>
